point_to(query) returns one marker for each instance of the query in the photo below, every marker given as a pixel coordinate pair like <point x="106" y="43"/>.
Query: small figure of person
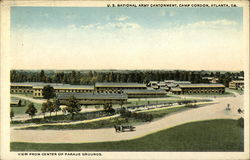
<point x="116" y="128"/>
<point x="240" y="111"/>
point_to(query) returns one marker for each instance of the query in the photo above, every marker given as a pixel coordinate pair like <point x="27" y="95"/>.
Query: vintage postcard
<point x="124" y="79"/>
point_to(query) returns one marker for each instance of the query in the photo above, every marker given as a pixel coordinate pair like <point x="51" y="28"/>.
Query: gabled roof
<point x="14" y="101"/>
<point x="200" y="85"/>
<point x="237" y="81"/>
<point x="175" y="89"/>
<point x="138" y="91"/>
<point x="153" y="81"/>
<point x="89" y="87"/>
<point x="36" y="84"/>
<point x="169" y="81"/>
<point x="182" y="82"/>
<point x="121" y="85"/>
<point x="91" y="96"/>
<point x="171" y="85"/>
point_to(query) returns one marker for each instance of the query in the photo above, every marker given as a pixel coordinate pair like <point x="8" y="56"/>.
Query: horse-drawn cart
<point x="123" y="128"/>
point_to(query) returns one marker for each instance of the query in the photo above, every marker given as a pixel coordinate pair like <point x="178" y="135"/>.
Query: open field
<point x="25" y="94"/>
<point x="20" y="110"/>
<point x="211" y="135"/>
<point x="213" y="111"/>
<point x="206" y="95"/>
<point x="161" y="113"/>
<point x="235" y="90"/>
<point x="65" y="118"/>
<point x="84" y="114"/>
<point x="109" y="123"/>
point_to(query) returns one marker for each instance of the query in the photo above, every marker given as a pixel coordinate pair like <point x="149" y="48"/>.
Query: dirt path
<point x="40" y="101"/>
<point x="214" y="111"/>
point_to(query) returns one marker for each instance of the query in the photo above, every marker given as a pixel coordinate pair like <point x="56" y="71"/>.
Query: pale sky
<point x="126" y="38"/>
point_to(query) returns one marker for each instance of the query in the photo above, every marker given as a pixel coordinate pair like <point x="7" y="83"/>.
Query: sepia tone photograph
<point x="126" y="78"/>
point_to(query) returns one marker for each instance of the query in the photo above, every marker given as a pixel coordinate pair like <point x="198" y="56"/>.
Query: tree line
<point x="140" y="76"/>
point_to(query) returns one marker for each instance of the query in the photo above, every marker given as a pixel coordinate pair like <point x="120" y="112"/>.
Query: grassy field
<point x="212" y="135"/>
<point x="161" y="113"/>
<point x="21" y="109"/>
<point x="235" y="90"/>
<point x="112" y="121"/>
<point x="146" y="101"/>
<point x="25" y="94"/>
<point x="208" y="95"/>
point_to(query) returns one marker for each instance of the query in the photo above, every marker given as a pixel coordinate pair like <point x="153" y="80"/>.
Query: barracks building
<point x="132" y="90"/>
<point x="118" y="87"/>
<point x="236" y="84"/>
<point x="198" y="88"/>
<point x="93" y="98"/>
<point x="115" y="92"/>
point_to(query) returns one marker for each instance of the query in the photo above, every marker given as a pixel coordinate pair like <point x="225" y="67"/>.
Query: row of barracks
<point x="116" y="92"/>
<point x="132" y="90"/>
<point x="99" y="93"/>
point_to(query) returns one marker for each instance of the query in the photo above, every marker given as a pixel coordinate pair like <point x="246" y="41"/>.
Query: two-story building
<point x="236" y="84"/>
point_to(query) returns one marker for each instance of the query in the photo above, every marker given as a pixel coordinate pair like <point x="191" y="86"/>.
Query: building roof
<point x="36" y="84"/>
<point x="14" y="101"/>
<point x="200" y="85"/>
<point x="22" y="84"/>
<point x="89" y="87"/>
<point x="237" y="81"/>
<point x="169" y="81"/>
<point x="153" y="81"/>
<point x="171" y="85"/>
<point x="144" y="91"/>
<point x="92" y="96"/>
<point x="209" y="78"/>
<point x="122" y="85"/>
<point x="86" y="87"/>
<point x="182" y="82"/>
<point x="161" y="83"/>
<point x="176" y="89"/>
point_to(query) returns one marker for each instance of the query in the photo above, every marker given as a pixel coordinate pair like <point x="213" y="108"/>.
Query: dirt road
<point x="214" y="111"/>
<point x="40" y="101"/>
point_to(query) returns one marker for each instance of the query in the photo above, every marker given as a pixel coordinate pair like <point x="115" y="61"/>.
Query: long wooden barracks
<point x="198" y="88"/>
<point x="131" y="90"/>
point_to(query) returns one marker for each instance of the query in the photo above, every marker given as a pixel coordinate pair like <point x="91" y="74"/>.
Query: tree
<point x="44" y="109"/>
<point x="20" y="103"/>
<point x="48" y="92"/>
<point x="31" y="110"/>
<point x="73" y="106"/>
<point x="11" y="114"/>
<point x="42" y="76"/>
<point x="50" y="107"/>
<point x="121" y="103"/>
<point x="56" y="106"/>
<point x="47" y="107"/>
<point x="13" y="76"/>
<point x="108" y="108"/>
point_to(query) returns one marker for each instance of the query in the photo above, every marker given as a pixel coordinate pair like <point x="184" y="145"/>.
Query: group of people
<point x="239" y="109"/>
